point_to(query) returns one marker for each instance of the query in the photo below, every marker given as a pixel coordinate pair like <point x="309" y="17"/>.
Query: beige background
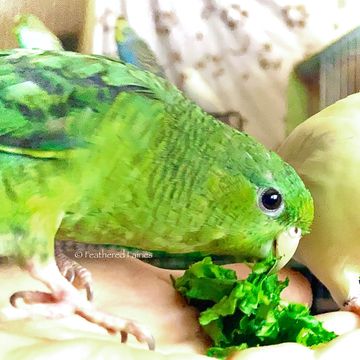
<point x="64" y="17"/>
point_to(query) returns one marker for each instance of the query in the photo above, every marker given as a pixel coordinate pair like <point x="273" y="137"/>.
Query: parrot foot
<point x="48" y="305"/>
<point x="76" y="274"/>
<point x="64" y="300"/>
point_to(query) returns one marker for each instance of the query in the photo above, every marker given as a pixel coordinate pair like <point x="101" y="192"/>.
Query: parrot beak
<point x="285" y="246"/>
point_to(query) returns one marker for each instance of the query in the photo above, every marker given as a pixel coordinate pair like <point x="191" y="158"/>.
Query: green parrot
<point x="102" y="152"/>
<point x="325" y="150"/>
<point x="132" y="49"/>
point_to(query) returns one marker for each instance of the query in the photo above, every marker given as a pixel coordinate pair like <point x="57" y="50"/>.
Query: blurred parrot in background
<point x="325" y="151"/>
<point x="133" y="50"/>
<point x="31" y="32"/>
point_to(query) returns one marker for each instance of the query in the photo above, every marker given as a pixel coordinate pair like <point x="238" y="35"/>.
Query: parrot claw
<point x="64" y="300"/>
<point x="118" y="325"/>
<point x="46" y="304"/>
<point x="76" y="274"/>
<point x="30" y="297"/>
<point x="38" y="303"/>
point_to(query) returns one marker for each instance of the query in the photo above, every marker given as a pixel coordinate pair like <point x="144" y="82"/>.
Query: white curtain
<point x="229" y="55"/>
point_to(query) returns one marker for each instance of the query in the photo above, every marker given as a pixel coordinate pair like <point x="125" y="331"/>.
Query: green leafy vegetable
<point x="238" y="314"/>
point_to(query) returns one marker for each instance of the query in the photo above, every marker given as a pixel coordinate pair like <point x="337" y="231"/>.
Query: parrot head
<point x="122" y="29"/>
<point x="28" y="20"/>
<point x="284" y="207"/>
<point x="267" y="199"/>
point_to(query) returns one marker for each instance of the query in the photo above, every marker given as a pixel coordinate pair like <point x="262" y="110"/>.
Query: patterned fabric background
<point x="229" y="55"/>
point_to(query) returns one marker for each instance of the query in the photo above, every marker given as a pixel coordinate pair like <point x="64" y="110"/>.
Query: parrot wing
<point x="53" y="102"/>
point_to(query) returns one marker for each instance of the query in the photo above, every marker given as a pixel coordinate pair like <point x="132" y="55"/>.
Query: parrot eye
<point x="270" y="201"/>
